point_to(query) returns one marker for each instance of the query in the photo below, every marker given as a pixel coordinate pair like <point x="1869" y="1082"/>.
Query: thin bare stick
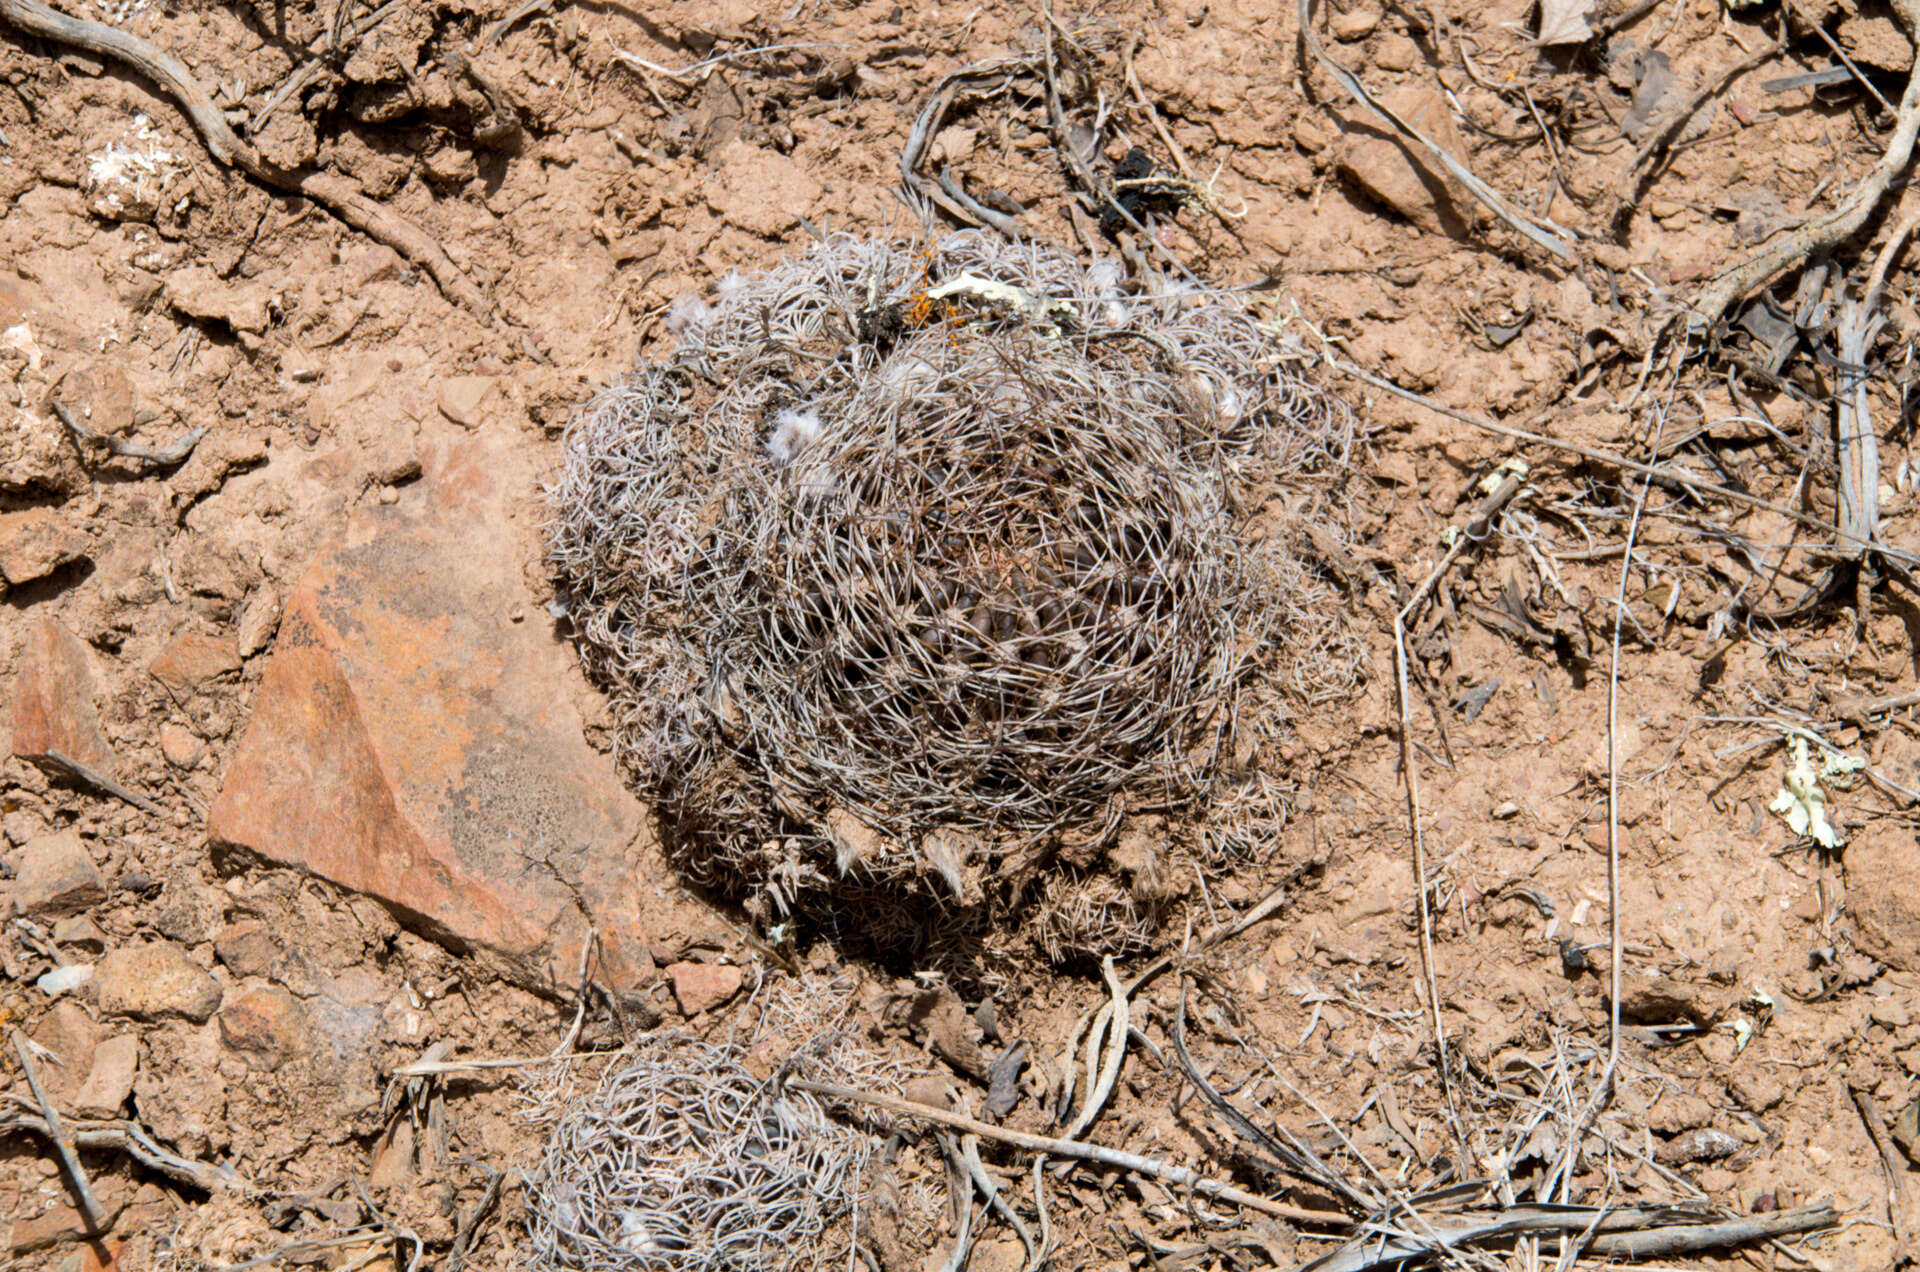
<point x="1152" y="114"/>
<point x="1113" y="1017"/>
<point x="1824" y="233"/>
<point x="1895" y="1167"/>
<point x="1858" y="710"/>
<point x="1616" y="952"/>
<point x="338" y="195"/>
<point x="165" y="456"/>
<point x="76" y="1173"/>
<point x="1180" y="1176"/>
<point x="304" y="1250"/>
<point x="131" y="1139"/>
<point x="100" y="781"/>
<point x="1859" y="498"/>
<point x="1265" y="909"/>
<point x="1532" y="229"/>
<point x="1473" y="533"/>
<point x="1657" y="472"/>
<point x="698" y="72"/>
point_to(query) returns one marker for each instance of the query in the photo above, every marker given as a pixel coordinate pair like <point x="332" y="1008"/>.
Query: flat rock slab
<point x="53" y="701"/>
<point x="412" y="742"/>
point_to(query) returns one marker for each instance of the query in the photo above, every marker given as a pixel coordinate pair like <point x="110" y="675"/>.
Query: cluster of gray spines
<point x="680" y="1160"/>
<point x="957" y="576"/>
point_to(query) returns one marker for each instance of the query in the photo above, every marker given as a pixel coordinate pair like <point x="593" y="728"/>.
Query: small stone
<point x="110" y="1081"/>
<point x="1396" y="53"/>
<point x="699" y="987"/>
<point x="79" y="933"/>
<point x="20" y="825"/>
<point x="100" y="397"/>
<point x="1890" y="1014"/>
<point x="35" y="543"/>
<point x="53" y="700"/>
<point x="40" y="1228"/>
<point x="154" y="981"/>
<point x="370" y="263"/>
<point x="1883" y="895"/>
<point x="462" y="398"/>
<point x="1353" y="24"/>
<point x="180" y="747"/>
<point x="1701" y="1144"/>
<point x="245" y="948"/>
<point x="187" y="912"/>
<point x="193" y="659"/>
<point x="258" y="621"/>
<point x="198" y="292"/>
<point x="266" y="1024"/>
<point x="1392" y="174"/>
<point x="57" y="877"/>
<point x="300" y="366"/>
<point x="1310" y="136"/>
<point x="71" y="1037"/>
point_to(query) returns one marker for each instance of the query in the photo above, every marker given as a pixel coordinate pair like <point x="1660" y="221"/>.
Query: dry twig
<point x="337" y="194"/>
<point x="165" y="456"/>
<point x="101" y="782"/>
<point x="1179" y="1176"/>
<point x="1532" y="229"/>
<point x="133" y="1140"/>
<point x="1658" y="472"/>
<point x="62" y="1142"/>
<point x="1475" y="532"/>
<point x="1823" y="233"/>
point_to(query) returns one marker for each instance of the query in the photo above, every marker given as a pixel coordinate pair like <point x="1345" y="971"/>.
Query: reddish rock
<point x="71" y="1035"/>
<point x="265" y="1023"/>
<point x="198" y="292"/>
<point x="1398" y="173"/>
<point x="1883" y="894"/>
<point x="154" y="981"/>
<point x="53" y="700"/>
<point x="699" y="987"/>
<point x="57" y="877"/>
<point x="410" y="742"/>
<point x="110" y="1080"/>
<point x="179" y="745"/>
<point x="81" y="933"/>
<point x="35" y="543"/>
<point x="193" y="659"/>
<point x="45" y="1219"/>
<point x="245" y="947"/>
<point x="99" y="395"/>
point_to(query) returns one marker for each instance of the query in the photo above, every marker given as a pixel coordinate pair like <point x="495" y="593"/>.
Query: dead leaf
<point x="1003" y="1081"/>
<point x="1564" y="22"/>
<point x="1653" y="81"/>
<point x="949" y="1031"/>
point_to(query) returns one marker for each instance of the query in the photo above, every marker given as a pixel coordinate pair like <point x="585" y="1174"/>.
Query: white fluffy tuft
<point x="688" y="313"/>
<point x="793" y="431"/>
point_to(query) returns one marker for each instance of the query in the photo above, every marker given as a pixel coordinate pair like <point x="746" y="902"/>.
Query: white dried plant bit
<point x="689" y="313"/>
<point x="793" y="431"/>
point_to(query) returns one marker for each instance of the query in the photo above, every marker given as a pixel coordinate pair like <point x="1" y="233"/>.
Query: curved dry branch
<point x="333" y="193"/>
